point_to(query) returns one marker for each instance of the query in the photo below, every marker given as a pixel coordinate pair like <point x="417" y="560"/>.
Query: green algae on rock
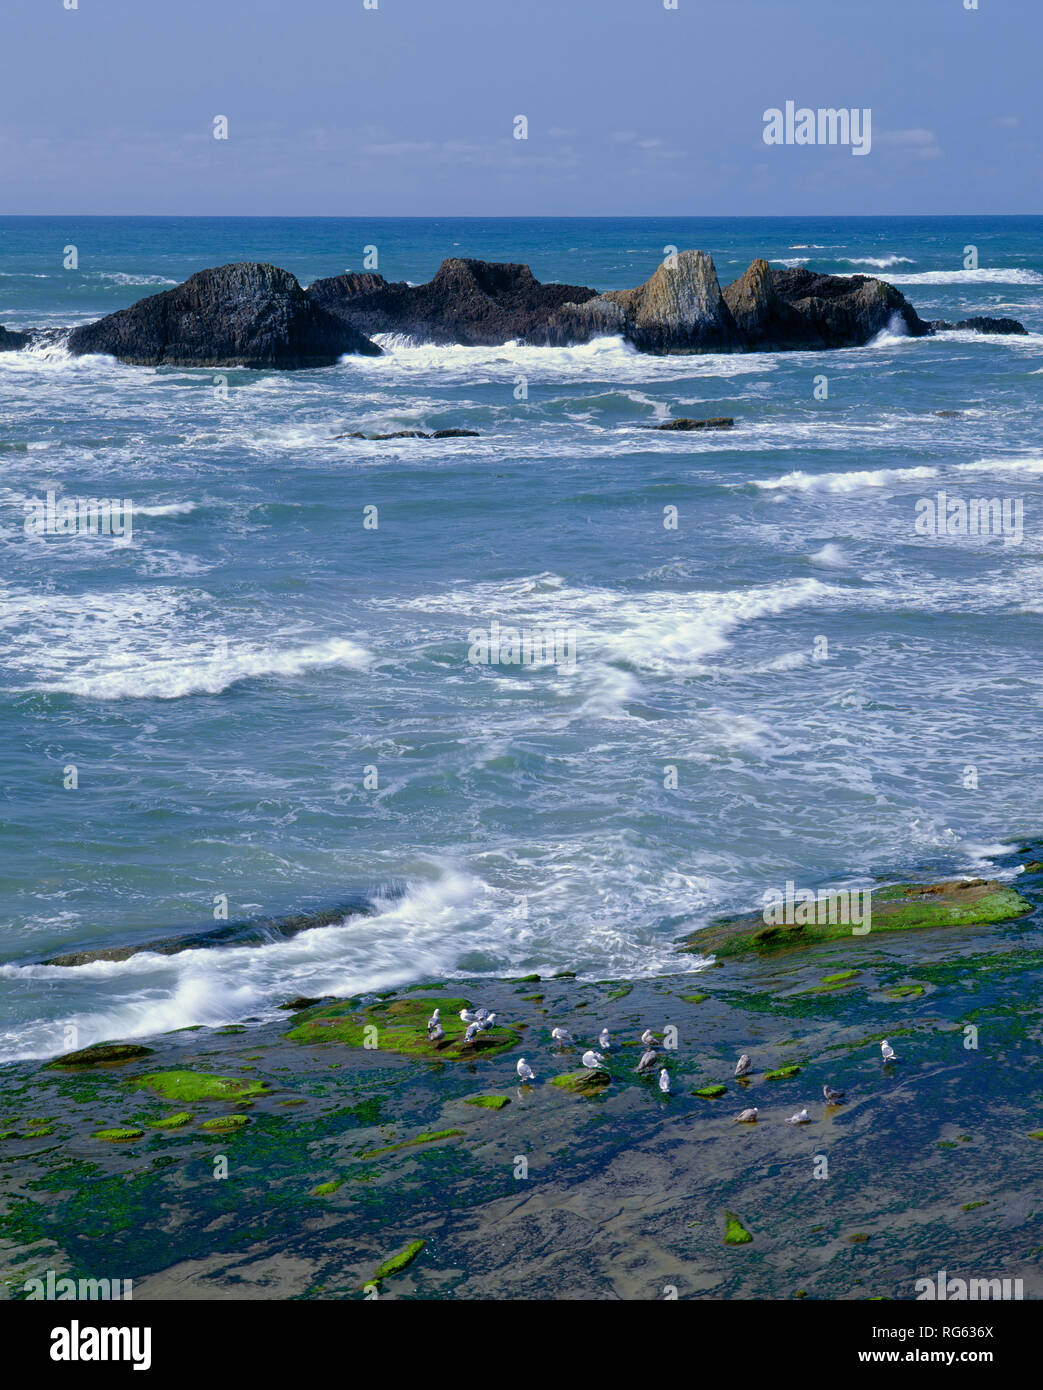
<point x="900" y="907"/>
<point x="433" y="1137"/>
<point x="400" y="1025"/>
<point x="735" y="1233"/>
<point x="326" y="1189"/>
<point x="118" y="1136"/>
<point x="98" y="1053"/>
<point x="178" y="1121"/>
<point x="693" y="998"/>
<point x="488" y="1102"/>
<point x="781" y="1073"/>
<point x="227" y="1122"/>
<point x="397" y="1262"/>
<point x="710" y="1092"/>
<point x="197" y="1085"/>
<point x="582" y="1083"/>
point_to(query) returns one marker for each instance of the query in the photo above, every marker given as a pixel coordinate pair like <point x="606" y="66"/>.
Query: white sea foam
<point x="166" y="509"/>
<point x="878" y="262"/>
<point x="1003" y="465"/>
<point x="982" y="276"/>
<point x="853" y="481"/>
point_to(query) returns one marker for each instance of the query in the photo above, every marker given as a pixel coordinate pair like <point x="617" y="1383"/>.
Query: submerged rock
<point x="100" y="1053"/>
<point x="716" y="422"/>
<point x="979" y="323"/>
<point x="242" y="315"/>
<point x="412" y="434"/>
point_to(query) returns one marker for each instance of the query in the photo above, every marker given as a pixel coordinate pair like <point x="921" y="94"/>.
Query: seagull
<point x="489" y="1021"/>
<point x="748" y="1117"/>
<point x="467" y="1017"/>
<point x="887" y="1052"/>
<point x="832" y="1097"/>
<point x="562" y="1036"/>
<point x="800" y="1118"/>
<point x="648" y="1060"/>
<point x="744" y="1065"/>
<point x="525" y="1072"/>
<point x="604" y="1041"/>
<point x="648" y="1037"/>
<point x="481" y="1014"/>
<point x="473" y="1029"/>
<point x="593" y="1060"/>
<point x="434" y="1021"/>
<point x="436" y="1034"/>
<point x="664" y="1081"/>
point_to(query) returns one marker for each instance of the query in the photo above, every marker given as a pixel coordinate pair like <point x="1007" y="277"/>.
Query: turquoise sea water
<point x="222" y="684"/>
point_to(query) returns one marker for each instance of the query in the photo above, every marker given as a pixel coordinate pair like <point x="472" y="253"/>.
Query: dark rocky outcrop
<point x="11" y="340"/>
<point x="980" y="323"/>
<point x="716" y="422"/>
<point x="244" y="315"/>
<point x="780" y="310"/>
<point x="412" y="434"/>
<point x="475" y="303"/>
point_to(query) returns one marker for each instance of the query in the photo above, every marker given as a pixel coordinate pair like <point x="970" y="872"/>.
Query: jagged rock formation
<point x="477" y="303"/>
<point x="244" y="315"/>
<point x="11" y="340"/>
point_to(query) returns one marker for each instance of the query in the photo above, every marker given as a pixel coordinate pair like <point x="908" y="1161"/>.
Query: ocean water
<point x="836" y="696"/>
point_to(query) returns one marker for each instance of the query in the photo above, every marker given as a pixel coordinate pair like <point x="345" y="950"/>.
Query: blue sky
<point x="408" y="110"/>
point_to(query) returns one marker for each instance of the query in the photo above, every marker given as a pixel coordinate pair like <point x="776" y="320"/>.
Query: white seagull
<point x="561" y="1036"/>
<point x="664" y="1081"/>
<point x="489" y="1021"/>
<point x="436" y="1034"/>
<point x="648" y="1037"/>
<point x="648" y="1060"/>
<point x="473" y="1029"/>
<point x="832" y="1097"/>
<point x="604" y="1041"/>
<point x="744" y="1065"/>
<point x="434" y="1021"/>
<point x="748" y="1117"/>
<point x="593" y="1060"/>
<point x="525" y="1072"/>
<point x="467" y="1017"/>
<point x="887" y="1052"/>
<point x="800" y="1118"/>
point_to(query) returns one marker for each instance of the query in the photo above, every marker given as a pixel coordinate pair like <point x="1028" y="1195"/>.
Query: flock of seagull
<point x="481" y="1019"/>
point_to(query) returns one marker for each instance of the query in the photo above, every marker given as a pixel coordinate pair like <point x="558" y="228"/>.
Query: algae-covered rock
<point x="99" y="1053"/>
<point x="196" y="1086"/>
<point x="781" y="1073"/>
<point x="326" y="1189"/>
<point x="904" y="992"/>
<point x="433" y="1137"/>
<point x="178" y="1121"/>
<point x="488" y="1102"/>
<point x="735" y="1233"/>
<point x="118" y="1136"/>
<point x="710" y="1092"/>
<point x="399" y="1024"/>
<point x="900" y="907"/>
<point x="693" y="998"/>
<point x="227" y="1122"/>
<point x="397" y="1262"/>
<point x="582" y="1083"/>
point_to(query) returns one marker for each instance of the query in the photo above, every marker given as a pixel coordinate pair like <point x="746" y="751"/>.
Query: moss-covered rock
<point x="904" y="992"/>
<point x="193" y="1086"/>
<point x="178" y="1121"/>
<point x="710" y="1092"/>
<point x="118" y="1136"/>
<point x="433" y="1137"/>
<point x="735" y="1233"/>
<point x="326" y="1189"/>
<point x="900" y="907"/>
<point x="397" y="1262"/>
<point x="400" y="1025"/>
<point x="488" y="1102"/>
<point x="582" y="1083"/>
<point x="693" y="998"/>
<point x="224" y="1123"/>
<point x="100" y="1053"/>
<point x="781" y="1073"/>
